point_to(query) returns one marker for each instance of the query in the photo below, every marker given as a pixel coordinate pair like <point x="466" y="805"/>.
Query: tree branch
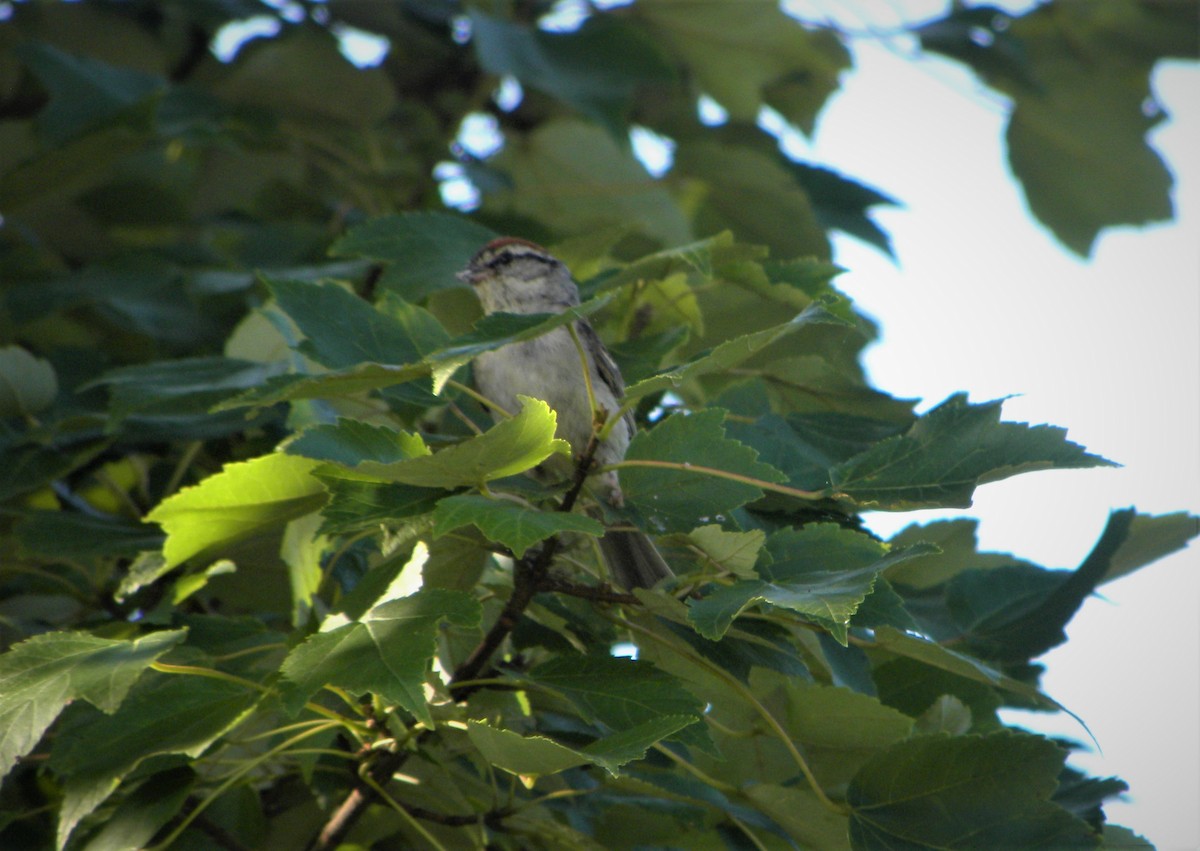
<point x="530" y="577"/>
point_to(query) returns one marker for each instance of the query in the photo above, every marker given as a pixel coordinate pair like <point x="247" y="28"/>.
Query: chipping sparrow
<point x="515" y="276"/>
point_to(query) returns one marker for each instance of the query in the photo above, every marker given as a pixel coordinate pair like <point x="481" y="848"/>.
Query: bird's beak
<point x="467" y="276"/>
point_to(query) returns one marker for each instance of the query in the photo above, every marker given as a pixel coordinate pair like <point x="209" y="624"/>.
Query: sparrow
<point x="512" y="275"/>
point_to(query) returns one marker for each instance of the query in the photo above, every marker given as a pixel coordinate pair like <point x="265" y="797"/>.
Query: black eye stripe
<point x="506" y="257"/>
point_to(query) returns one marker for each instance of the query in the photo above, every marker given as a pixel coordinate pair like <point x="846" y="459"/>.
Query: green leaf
<point x="350" y="442"/>
<point x="611" y="752"/>
<point x="596" y="69"/>
<point x="947" y="714"/>
<point x="802" y="815"/>
<point x="739" y="349"/>
<point x="246" y="500"/>
<point x="490" y="332"/>
<point x="143" y="811"/>
<point x="679" y="499"/>
<point x="914" y="688"/>
<point x="943" y="658"/>
<point x="511" y="524"/>
<point x="1116" y="836"/>
<point x="838" y="728"/>
<point x="841" y="204"/>
<point x="823" y="572"/>
<point x="982" y="792"/>
<point x="735" y="552"/>
<point x="341" y="329"/>
<point x="303" y="74"/>
<point x="1083" y="796"/>
<point x="948" y="452"/>
<point x="537" y="755"/>
<point x="576" y="177"/>
<point x="163" y="714"/>
<point x="387" y="652"/>
<point x="532" y="756"/>
<point x="357" y="501"/>
<point x="81" y="537"/>
<point x="175" y="387"/>
<point x="1150" y="538"/>
<point x="752" y="193"/>
<point x="40" y="676"/>
<point x="734" y="53"/>
<point x="957" y="550"/>
<point x="1015" y="613"/>
<point x="423" y="250"/>
<point x="27" y="384"/>
<point x="618" y="693"/>
<point x="84" y="91"/>
<point x="507" y="448"/>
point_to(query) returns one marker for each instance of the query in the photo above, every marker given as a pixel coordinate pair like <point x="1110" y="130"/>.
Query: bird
<point x="513" y="275"/>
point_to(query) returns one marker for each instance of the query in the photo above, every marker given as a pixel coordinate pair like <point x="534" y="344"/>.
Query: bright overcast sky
<point x="984" y="300"/>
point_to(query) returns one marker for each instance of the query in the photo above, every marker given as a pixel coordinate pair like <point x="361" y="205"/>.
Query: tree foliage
<point x="272" y="578"/>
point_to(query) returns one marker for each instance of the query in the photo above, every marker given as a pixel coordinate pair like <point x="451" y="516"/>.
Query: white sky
<point x="984" y="300"/>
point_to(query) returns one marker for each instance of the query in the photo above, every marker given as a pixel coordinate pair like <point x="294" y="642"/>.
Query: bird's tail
<point x="633" y="560"/>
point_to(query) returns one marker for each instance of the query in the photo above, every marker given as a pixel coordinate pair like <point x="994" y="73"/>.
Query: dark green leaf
<point x="823" y="572"/>
<point x="732" y="352"/>
<point x="617" y="693"/>
<point x="960" y="664"/>
<point x="40" y="676"/>
<point x="163" y="714"/>
<point x="511" y="524"/>
<point x="735" y="56"/>
<point x="574" y="176"/>
<point x="1083" y="796"/>
<point x="350" y="442"/>
<point x="842" y="204"/>
<point x="1015" y="613"/>
<point x="984" y="792"/>
<point x="1150" y="538"/>
<point x="913" y="687"/>
<point x="341" y="329"/>
<point x="84" y="91"/>
<point x="143" y="811"/>
<point x="679" y="499"/>
<point x="58" y="534"/>
<point x="357" y="501"/>
<point x="423" y="250"/>
<point x="948" y="452"/>
<point x="188" y="386"/>
<point x="596" y="69"/>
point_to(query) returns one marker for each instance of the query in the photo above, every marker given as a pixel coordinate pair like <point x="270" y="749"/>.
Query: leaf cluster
<point x="272" y="574"/>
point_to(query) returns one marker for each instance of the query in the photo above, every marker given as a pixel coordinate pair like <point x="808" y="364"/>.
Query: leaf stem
<point x="404" y="813"/>
<point x="703" y="777"/>
<point x="749" y="696"/>
<point x="234" y="778"/>
<point x="478" y="397"/>
<point x="688" y="467"/>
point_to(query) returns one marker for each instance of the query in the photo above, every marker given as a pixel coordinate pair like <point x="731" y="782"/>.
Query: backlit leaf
<point x="387" y="652"/>
<point x="511" y="446"/>
<point x="247" y="499"/>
